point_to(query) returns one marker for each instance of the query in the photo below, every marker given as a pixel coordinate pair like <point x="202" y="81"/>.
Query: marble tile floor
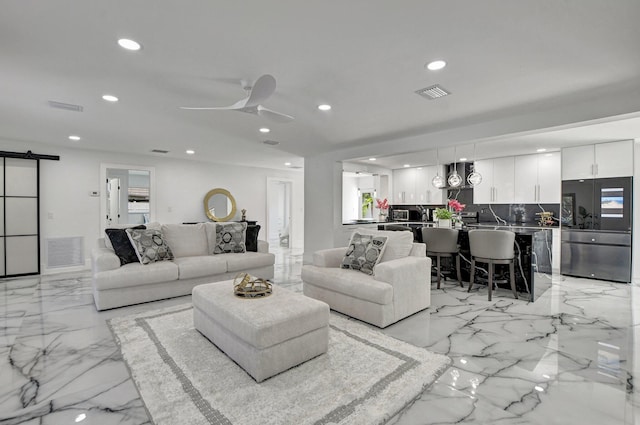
<point x="568" y="358"/>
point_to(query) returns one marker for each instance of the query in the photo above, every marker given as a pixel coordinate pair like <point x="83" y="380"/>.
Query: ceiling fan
<point x="258" y="93"/>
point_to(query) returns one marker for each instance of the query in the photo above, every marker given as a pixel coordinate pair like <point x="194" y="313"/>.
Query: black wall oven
<point x="596" y="228"/>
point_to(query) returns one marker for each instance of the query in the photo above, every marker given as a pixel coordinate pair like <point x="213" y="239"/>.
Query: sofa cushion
<point x="207" y="265"/>
<point x="230" y="237"/>
<point x="136" y="274"/>
<point x="149" y="244"/>
<point x="248" y="260"/>
<point x="251" y="240"/>
<point x="119" y="241"/>
<point x="186" y="240"/>
<point x="364" y="252"/>
<point x="348" y="282"/>
<point x="398" y="244"/>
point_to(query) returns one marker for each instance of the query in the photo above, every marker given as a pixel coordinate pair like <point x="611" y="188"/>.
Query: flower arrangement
<point x="382" y="205"/>
<point x="455" y="205"/>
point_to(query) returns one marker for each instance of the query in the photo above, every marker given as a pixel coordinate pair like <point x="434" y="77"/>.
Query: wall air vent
<point x="159" y="151"/>
<point x="295" y="167"/>
<point x="64" y="252"/>
<point x="271" y="142"/>
<point x="65" y="106"/>
<point x="433" y="92"/>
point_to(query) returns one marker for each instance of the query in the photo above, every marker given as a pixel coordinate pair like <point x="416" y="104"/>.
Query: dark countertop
<point x="517" y="228"/>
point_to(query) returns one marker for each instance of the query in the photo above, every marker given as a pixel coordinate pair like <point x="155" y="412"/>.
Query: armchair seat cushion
<point x="199" y="266"/>
<point x="351" y="283"/>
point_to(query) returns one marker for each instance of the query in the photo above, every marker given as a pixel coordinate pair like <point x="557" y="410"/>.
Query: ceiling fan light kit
<point x="261" y="90"/>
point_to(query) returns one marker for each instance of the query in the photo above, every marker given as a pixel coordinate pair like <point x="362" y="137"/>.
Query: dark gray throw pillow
<point x="122" y="245"/>
<point x="252" y="237"/>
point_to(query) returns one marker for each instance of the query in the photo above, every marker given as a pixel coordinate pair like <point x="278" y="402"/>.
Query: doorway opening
<point x="279" y="212"/>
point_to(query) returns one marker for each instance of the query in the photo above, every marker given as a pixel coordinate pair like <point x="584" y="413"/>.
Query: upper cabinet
<point x="413" y="186"/>
<point x="537" y="178"/>
<point x="497" y="185"/>
<point x="404" y="186"/>
<point x="613" y="159"/>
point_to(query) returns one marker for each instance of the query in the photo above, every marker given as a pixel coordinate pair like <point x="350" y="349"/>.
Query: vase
<point x="444" y="223"/>
<point x="382" y="218"/>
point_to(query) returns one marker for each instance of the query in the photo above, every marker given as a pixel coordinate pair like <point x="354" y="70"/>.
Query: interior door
<point x="113" y="201"/>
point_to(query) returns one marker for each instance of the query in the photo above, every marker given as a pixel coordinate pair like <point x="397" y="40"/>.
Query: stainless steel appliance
<point x="596" y="228"/>
<point x="400" y="215"/>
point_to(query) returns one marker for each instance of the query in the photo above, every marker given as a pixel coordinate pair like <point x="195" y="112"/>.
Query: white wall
<point x="66" y="209"/>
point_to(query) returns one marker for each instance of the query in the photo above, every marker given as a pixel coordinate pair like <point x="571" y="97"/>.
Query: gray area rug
<point x="366" y="377"/>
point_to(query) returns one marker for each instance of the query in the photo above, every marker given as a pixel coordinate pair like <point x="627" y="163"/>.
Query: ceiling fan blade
<point x="273" y="115"/>
<point x="238" y="105"/>
<point x="261" y="90"/>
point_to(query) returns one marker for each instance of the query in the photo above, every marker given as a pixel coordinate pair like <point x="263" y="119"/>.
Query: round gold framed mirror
<point x="219" y="205"/>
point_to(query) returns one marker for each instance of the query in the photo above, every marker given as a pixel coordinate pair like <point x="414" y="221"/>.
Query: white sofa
<point x="399" y="287"/>
<point x="116" y="286"/>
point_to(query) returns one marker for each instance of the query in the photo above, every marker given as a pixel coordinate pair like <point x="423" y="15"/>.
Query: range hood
<point x="464" y="169"/>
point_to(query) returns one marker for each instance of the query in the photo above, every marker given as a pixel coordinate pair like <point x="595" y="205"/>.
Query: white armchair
<point x="399" y="287"/>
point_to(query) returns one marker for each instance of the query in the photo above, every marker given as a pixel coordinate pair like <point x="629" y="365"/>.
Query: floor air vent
<point x="65" y="252"/>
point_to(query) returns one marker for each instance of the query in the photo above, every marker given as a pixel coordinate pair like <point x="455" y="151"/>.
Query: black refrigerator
<point x="596" y="228"/>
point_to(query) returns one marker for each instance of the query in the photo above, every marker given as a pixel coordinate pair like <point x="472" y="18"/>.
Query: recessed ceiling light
<point x="436" y="65"/>
<point x="541" y="150"/>
<point x="287" y="164"/>
<point x="372" y="159"/>
<point x="110" y="98"/>
<point x="463" y="159"/>
<point x="324" y="107"/>
<point x="74" y="138"/>
<point x="419" y="168"/>
<point x="264" y="130"/>
<point x="128" y="44"/>
<point x="406" y="165"/>
<point x="190" y="151"/>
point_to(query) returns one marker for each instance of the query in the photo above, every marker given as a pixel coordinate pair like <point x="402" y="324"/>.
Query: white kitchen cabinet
<point x="612" y="159"/>
<point x="549" y="178"/>
<point x="497" y="185"/>
<point x="426" y="193"/>
<point x="537" y="178"/>
<point x="483" y="193"/>
<point x="404" y="186"/>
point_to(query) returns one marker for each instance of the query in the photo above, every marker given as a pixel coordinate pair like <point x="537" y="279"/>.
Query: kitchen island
<point x="533" y="246"/>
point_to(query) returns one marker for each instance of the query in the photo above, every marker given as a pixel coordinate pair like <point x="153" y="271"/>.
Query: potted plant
<point x="444" y="217"/>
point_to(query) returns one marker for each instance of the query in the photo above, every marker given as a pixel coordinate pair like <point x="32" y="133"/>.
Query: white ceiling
<point x="364" y="57"/>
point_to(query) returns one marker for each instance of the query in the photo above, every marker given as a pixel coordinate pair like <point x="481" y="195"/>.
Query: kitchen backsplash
<point x="523" y="214"/>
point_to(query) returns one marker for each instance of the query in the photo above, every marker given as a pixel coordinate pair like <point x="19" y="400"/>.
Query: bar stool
<point x="442" y="243"/>
<point x="492" y="247"/>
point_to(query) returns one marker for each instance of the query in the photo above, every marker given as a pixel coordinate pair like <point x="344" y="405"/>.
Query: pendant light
<point x="437" y="181"/>
<point x="454" y="179"/>
<point x="474" y="178"/>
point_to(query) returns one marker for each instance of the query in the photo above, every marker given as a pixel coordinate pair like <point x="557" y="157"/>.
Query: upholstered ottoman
<point x="265" y="336"/>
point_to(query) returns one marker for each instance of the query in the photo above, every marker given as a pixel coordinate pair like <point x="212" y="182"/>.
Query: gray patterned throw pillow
<point x="230" y="237"/>
<point x="364" y="252"/>
<point x="149" y="244"/>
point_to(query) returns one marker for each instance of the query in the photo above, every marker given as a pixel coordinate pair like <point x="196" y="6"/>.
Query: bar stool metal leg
<point x="512" y="278"/>
<point x="438" y="269"/>
<point x="458" y="270"/>
<point x="472" y="272"/>
<point x="490" y="278"/>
